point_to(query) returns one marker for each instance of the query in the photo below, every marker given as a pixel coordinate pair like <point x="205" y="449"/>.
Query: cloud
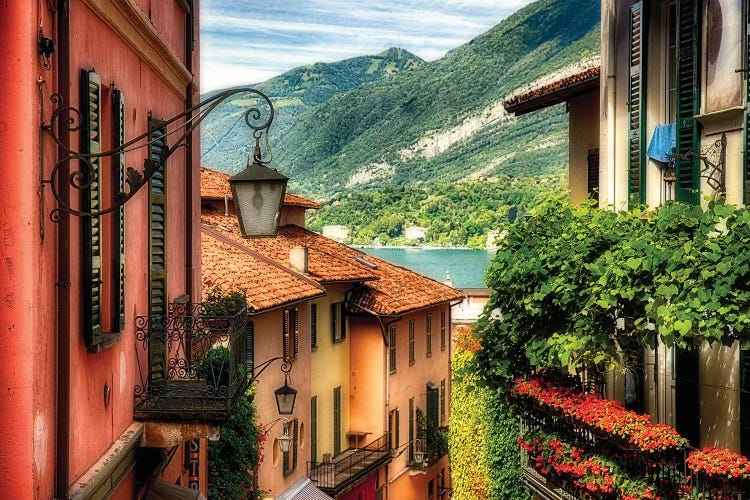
<point x="248" y="41"/>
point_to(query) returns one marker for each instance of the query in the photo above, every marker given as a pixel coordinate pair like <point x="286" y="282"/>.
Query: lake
<point x="467" y="267"/>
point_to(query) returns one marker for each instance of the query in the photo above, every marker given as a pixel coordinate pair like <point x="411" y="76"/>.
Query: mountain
<point x="444" y="120"/>
<point x="224" y="135"/>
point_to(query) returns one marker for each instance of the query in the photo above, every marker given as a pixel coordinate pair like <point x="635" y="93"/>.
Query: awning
<point x="162" y="490"/>
<point x="304" y="489"/>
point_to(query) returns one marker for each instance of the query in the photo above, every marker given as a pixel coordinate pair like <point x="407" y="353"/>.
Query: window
<point x="314" y="428"/>
<point x="442" y="329"/>
<point x="291" y="456"/>
<point x="392" y="444"/>
<point x="442" y="400"/>
<point x="411" y="341"/>
<point x="338" y="321"/>
<point x="337" y="420"/>
<point x="428" y="334"/>
<point x="290" y="332"/>
<point x="392" y="348"/>
<point x="313" y="326"/>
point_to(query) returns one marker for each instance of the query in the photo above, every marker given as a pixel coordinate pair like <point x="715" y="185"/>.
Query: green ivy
<point x="485" y="461"/>
<point x="581" y="287"/>
<point x="220" y="304"/>
<point x="233" y="459"/>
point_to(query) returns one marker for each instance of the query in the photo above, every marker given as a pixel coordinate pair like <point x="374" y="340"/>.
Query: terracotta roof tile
<point x="323" y="266"/>
<point x="266" y="284"/>
<point x="214" y="185"/>
<point x="555" y="88"/>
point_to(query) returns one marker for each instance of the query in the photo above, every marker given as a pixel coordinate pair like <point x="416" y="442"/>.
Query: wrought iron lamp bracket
<point x="258" y="117"/>
<point x="286" y="367"/>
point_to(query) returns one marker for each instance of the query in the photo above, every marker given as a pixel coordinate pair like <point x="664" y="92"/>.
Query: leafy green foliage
<point x="233" y="458"/>
<point x="461" y="213"/>
<point x="220" y="304"/>
<point x="583" y="287"/>
<point x="485" y="462"/>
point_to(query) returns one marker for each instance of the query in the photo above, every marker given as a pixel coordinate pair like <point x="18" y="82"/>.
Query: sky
<point x="250" y="41"/>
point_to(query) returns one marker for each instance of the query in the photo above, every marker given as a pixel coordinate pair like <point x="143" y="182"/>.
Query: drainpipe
<point x="62" y="429"/>
<point x="608" y="98"/>
<point x="189" y="35"/>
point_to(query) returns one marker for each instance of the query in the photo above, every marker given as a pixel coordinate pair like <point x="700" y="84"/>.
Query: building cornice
<point x="135" y="29"/>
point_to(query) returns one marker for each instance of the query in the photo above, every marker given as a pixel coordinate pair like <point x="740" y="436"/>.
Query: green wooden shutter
<point x="313" y="325"/>
<point x="157" y="221"/>
<point x="433" y="398"/>
<point x="250" y="347"/>
<point x="91" y="284"/>
<point x="746" y="138"/>
<point x="411" y="429"/>
<point x="314" y="428"/>
<point x="428" y="334"/>
<point x="688" y="99"/>
<point x="398" y="427"/>
<point x="411" y="341"/>
<point x="637" y="107"/>
<point x="119" y="177"/>
<point x="337" y="420"/>
<point x="442" y="400"/>
<point x="295" y="441"/>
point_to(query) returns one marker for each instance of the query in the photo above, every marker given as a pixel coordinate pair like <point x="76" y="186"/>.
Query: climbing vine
<point x="577" y="286"/>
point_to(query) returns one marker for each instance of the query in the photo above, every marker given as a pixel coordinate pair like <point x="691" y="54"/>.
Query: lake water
<point x="467" y="267"/>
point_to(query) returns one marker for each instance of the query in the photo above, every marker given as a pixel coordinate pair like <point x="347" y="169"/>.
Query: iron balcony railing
<point x="350" y="466"/>
<point x="192" y="364"/>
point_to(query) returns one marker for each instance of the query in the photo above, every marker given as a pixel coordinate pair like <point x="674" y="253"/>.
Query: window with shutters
<point x="392" y="348"/>
<point x="101" y="332"/>
<point x="290" y="332"/>
<point x="314" y="428"/>
<point x="442" y="400"/>
<point x="313" y="326"/>
<point x="592" y="160"/>
<point x="338" y="321"/>
<point x="337" y="420"/>
<point x="411" y="341"/>
<point x="428" y="334"/>
<point x="157" y="248"/>
<point x="442" y="329"/>
<point x="636" y="106"/>
<point x="290" y="457"/>
<point x="392" y="430"/>
<point x="688" y="16"/>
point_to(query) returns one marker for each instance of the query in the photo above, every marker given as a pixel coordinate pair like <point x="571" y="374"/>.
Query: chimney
<point x="298" y="259"/>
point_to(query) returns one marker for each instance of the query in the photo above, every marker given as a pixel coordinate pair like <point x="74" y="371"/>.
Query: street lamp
<point x="285" y="395"/>
<point x="285" y="440"/>
<point x="258" y="191"/>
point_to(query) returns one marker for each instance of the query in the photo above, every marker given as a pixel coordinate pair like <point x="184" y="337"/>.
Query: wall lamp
<point x="258" y="191"/>
<point x="285" y="440"/>
<point x="285" y="395"/>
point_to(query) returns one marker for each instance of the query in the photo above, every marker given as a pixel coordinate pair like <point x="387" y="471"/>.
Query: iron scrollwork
<point x="714" y="159"/>
<point x="258" y="117"/>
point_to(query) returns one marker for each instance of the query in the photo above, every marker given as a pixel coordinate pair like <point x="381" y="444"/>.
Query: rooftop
<point x="560" y="86"/>
<point x="265" y="283"/>
<point x="389" y="290"/>
<point x="214" y="185"/>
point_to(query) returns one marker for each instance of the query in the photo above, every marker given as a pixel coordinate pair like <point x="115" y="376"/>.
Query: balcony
<point x="350" y="466"/>
<point x="192" y="365"/>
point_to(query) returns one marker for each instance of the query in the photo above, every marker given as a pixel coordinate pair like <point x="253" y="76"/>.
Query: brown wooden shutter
<point x="592" y="161"/>
<point x="392" y="348"/>
<point x="411" y="429"/>
<point x="398" y="428"/>
<point x="285" y="327"/>
<point x="118" y="227"/>
<point x="314" y="428"/>
<point x="91" y="284"/>
<point x="442" y="400"/>
<point x="688" y="99"/>
<point x="343" y="320"/>
<point x="637" y="106"/>
<point x="333" y="323"/>
<point x="157" y="222"/>
<point x="295" y="324"/>
<point x="313" y="325"/>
